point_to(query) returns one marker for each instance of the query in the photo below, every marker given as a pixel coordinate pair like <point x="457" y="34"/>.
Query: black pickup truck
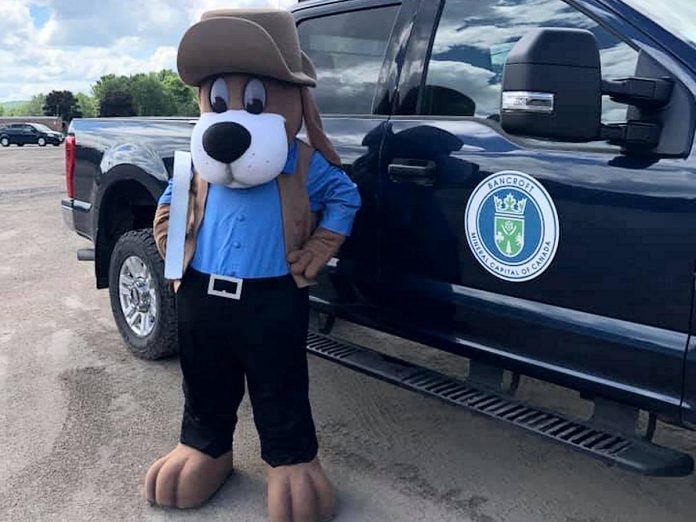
<point x="528" y="179"/>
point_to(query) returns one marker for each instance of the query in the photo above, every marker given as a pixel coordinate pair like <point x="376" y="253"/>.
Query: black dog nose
<point x="226" y="141"/>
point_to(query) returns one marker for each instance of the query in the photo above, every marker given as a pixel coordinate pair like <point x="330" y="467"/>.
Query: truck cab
<point x="562" y="258"/>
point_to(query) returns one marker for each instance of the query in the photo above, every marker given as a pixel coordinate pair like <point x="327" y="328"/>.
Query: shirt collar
<point x="291" y="162"/>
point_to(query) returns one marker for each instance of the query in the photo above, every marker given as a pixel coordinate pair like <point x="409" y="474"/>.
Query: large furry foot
<point x="300" y="493"/>
<point x="185" y="477"/>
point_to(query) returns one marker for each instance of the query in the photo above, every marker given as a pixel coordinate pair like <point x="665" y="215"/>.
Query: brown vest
<point x="298" y="220"/>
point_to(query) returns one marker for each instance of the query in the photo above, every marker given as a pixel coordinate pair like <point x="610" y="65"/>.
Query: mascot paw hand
<point x="185" y="477"/>
<point x="305" y="263"/>
<point x="315" y="254"/>
<point x="300" y="493"/>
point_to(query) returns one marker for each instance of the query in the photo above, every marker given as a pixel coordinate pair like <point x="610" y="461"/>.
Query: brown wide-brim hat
<point x="262" y="42"/>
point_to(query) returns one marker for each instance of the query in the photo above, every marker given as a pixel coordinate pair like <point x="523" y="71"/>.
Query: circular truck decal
<point x="512" y="226"/>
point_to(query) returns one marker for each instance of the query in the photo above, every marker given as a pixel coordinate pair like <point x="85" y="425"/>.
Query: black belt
<point x="231" y="287"/>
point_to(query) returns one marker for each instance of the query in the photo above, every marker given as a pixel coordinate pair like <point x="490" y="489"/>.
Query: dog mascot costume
<point x="252" y="247"/>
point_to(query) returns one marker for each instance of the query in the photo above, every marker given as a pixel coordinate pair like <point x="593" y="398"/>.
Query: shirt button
<point x="241" y="218"/>
<point x="236" y="244"/>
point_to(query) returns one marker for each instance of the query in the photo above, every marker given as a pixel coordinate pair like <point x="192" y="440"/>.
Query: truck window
<point x="678" y="19"/>
<point x="473" y="39"/>
<point x="347" y="50"/>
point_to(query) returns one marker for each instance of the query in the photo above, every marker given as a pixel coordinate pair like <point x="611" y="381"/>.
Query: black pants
<point x="261" y="337"/>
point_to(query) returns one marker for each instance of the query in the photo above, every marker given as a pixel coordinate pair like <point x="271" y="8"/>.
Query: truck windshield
<point x="677" y="16"/>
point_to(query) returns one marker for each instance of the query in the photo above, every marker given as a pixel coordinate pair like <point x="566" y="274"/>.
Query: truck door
<point x="352" y="45"/>
<point x="567" y="262"/>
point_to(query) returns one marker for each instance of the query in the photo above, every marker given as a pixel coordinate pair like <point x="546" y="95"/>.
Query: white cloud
<point x="469" y="79"/>
<point x="82" y="40"/>
<point x="196" y="7"/>
<point x="16" y="26"/>
<point x="678" y="16"/>
<point x="490" y="24"/>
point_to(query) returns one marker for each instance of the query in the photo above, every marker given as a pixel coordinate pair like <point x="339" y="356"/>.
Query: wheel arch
<point x="126" y="202"/>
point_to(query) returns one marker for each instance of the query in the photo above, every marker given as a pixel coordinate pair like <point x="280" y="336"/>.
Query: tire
<point x="20" y="144"/>
<point x="41" y="142"/>
<point x="5" y="141"/>
<point x="56" y="143"/>
<point x="151" y="333"/>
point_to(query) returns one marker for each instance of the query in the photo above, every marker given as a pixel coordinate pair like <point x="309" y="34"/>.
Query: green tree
<point x="62" y="104"/>
<point x="184" y="96"/>
<point x="150" y="96"/>
<point x="87" y="105"/>
<point x="153" y="94"/>
<point x="2" y="110"/>
<point x="115" y="102"/>
<point x="33" y="107"/>
<point x="112" y="95"/>
<point x="109" y="83"/>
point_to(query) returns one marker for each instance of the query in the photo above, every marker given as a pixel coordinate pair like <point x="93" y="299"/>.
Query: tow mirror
<point x="553" y="87"/>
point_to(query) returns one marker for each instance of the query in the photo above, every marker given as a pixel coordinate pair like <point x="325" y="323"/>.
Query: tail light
<point x="70" y="165"/>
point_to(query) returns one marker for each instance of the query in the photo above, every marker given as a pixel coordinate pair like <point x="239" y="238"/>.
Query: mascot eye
<point x="254" y="96"/>
<point x="219" y="97"/>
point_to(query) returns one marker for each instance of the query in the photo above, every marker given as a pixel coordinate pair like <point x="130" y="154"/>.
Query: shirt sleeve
<point x="166" y="197"/>
<point x="332" y="193"/>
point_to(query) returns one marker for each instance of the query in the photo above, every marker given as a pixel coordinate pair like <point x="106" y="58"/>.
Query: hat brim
<point x="229" y="45"/>
<point x="308" y="67"/>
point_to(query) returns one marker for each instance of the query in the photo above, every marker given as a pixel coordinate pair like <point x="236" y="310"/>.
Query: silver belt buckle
<point x="222" y="293"/>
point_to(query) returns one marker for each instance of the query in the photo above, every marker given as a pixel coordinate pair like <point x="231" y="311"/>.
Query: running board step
<point x="631" y="453"/>
<point x="85" y="254"/>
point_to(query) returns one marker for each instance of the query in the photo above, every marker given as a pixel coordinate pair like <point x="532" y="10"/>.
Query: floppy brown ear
<point x="315" y="131"/>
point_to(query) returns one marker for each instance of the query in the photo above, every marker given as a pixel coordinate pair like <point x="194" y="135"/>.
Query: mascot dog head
<point x="253" y="91"/>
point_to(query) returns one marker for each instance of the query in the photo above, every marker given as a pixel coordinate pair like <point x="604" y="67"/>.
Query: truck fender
<point x="126" y="199"/>
<point x="134" y="155"/>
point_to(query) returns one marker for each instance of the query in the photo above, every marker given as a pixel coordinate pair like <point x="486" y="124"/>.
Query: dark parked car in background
<point x="21" y="134"/>
<point x="528" y="178"/>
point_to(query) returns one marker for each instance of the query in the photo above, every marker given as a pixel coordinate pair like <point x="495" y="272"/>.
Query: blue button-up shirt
<point x="242" y="231"/>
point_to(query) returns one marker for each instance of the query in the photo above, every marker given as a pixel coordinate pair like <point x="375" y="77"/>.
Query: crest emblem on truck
<point x="512" y="226"/>
<point x="509" y="224"/>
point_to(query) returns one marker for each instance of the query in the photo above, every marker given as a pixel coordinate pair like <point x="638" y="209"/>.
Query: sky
<point x="68" y="44"/>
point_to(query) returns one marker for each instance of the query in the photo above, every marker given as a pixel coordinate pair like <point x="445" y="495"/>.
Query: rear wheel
<point x="5" y="142"/>
<point x="42" y="142"/>
<point x="142" y="301"/>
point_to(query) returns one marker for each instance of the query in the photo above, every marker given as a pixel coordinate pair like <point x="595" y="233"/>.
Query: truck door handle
<point x="417" y="171"/>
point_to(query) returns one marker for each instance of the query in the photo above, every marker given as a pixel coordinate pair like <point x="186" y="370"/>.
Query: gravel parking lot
<point x="81" y="419"/>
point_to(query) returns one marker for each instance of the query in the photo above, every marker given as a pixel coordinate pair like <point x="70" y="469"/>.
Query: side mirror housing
<point x="552" y="86"/>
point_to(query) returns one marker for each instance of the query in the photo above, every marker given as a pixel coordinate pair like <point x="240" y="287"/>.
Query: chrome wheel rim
<point x="136" y="290"/>
<point x="5" y="142"/>
<point x="42" y="142"/>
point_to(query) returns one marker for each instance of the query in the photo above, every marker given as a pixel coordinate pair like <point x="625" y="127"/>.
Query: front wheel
<point x="41" y="142"/>
<point x="142" y="301"/>
<point x="5" y="142"/>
